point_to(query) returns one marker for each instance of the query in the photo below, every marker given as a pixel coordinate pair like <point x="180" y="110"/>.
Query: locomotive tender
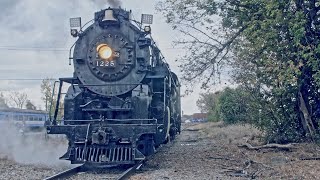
<point x="123" y="101"/>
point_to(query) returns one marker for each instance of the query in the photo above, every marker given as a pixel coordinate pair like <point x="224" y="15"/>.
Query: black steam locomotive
<point x="123" y="101"/>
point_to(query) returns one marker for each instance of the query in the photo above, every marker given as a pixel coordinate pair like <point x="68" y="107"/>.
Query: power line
<point x="25" y="79"/>
<point x="32" y="49"/>
<point x="17" y="48"/>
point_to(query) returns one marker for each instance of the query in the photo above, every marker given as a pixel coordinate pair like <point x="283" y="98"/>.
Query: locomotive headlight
<point x="104" y="51"/>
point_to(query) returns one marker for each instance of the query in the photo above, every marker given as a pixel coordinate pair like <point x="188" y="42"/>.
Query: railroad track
<point x="73" y="171"/>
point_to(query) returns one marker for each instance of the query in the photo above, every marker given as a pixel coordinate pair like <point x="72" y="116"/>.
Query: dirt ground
<point x="203" y="151"/>
<point x="211" y="151"/>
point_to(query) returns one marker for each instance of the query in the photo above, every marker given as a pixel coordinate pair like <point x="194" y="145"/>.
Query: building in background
<point x="200" y="117"/>
<point x="196" y="117"/>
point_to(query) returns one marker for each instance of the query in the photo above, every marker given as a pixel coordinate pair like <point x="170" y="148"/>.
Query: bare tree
<point x="46" y="90"/>
<point x="208" y="44"/>
<point x="50" y="98"/>
<point x="18" y="99"/>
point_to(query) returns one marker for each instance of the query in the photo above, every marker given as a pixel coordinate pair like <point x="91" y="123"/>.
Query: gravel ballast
<point x="202" y="151"/>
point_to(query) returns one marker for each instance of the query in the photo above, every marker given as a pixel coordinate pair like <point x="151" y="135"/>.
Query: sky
<point x="35" y="40"/>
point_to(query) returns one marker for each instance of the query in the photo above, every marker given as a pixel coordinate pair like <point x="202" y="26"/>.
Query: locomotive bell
<point x="108" y="15"/>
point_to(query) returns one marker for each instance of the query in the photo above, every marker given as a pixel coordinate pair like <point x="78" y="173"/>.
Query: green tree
<point x="273" y="47"/>
<point x="239" y="106"/>
<point x="209" y="103"/>
<point x="280" y="58"/>
<point x="30" y="105"/>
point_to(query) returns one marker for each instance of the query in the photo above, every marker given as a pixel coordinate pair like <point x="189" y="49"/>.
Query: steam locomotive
<point x="123" y="100"/>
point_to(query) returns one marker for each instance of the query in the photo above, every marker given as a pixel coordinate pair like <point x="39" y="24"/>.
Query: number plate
<point x="105" y="64"/>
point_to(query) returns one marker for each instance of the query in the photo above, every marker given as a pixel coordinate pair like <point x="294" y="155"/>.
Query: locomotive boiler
<point x="123" y="101"/>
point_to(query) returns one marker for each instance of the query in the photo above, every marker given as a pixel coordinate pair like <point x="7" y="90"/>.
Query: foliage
<point x="279" y="55"/>
<point x="273" y="47"/>
<point x="233" y="106"/>
<point x="209" y="103"/>
<point x="30" y="105"/>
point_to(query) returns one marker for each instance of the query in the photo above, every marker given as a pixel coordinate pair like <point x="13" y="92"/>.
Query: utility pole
<point x="46" y="103"/>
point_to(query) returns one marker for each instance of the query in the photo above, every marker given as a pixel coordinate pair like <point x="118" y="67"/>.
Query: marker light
<point x="74" y="32"/>
<point x="147" y="29"/>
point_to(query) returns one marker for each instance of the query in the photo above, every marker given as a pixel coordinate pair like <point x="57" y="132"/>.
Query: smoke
<point x="111" y="3"/>
<point x="31" y="148"/>
<point x="114" y="3"/>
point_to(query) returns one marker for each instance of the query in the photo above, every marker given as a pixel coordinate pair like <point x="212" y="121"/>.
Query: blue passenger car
<point x="23" y="118"/>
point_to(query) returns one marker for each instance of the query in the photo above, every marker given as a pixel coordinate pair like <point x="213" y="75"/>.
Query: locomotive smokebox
<point x="108" y="56"/>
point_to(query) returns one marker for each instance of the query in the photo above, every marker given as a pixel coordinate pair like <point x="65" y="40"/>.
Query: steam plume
<point x="114" y="3"/>
<point x="31" y="148"/>
<point x="111" y="3"/>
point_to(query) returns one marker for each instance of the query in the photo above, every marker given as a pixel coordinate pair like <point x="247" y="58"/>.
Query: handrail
<point x="52" y="99"/>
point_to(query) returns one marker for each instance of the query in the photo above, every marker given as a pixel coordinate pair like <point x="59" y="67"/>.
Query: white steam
<point x="31" y="148"/>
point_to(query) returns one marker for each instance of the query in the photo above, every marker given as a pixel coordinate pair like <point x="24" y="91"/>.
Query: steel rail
<point x="73" y="171"/>
<point x="129" y="171"/>
<point x="67" y="173"/>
